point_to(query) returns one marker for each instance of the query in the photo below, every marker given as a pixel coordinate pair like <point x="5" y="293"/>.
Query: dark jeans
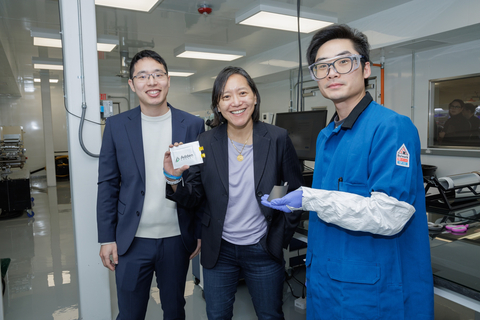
<point x="264" y="278"/>
<point x="169" y="259"/>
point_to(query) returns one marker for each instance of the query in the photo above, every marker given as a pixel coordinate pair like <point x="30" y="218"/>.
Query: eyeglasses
<point x="343" y="65"/>
<point x="454" y="107"/>
<point x="156" y="76"/>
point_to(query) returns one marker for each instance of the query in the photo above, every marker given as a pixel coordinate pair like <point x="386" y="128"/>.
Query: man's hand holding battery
<point x="168" y="162"/>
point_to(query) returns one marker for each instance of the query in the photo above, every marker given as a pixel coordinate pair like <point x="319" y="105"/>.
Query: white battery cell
<point x="186" y="154"/>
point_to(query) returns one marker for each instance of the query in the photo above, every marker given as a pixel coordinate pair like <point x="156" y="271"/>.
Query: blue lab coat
<point x="360" y="275"/>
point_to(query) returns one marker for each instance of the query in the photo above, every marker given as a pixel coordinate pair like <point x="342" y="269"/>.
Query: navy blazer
<point x="121" y="178"/>
<point x="275" y="161"/>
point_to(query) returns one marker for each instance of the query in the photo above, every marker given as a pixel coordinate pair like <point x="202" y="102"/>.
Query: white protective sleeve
<point x="378" y="214"/>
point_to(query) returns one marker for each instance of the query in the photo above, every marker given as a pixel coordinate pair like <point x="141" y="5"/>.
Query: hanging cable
<point x="291" y="289"/>
<point x="300" y="70"/>
<point x="82" y="79"/>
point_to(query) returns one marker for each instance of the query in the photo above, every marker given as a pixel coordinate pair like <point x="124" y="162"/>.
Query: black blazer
<point x="275" y="161"/>
<point x="121" y="178"/>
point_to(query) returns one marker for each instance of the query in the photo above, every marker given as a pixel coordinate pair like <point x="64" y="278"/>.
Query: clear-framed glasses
<point x="143" y="77"/>
<point x="342" y="65"/>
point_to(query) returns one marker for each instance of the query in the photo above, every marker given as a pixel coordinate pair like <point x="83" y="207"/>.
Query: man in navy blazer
<point x="140" y="231"/>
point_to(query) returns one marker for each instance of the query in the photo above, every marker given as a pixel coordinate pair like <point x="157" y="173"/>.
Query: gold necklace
<point x="240" y="157"/>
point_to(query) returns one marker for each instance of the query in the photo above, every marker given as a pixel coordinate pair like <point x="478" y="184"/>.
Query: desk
<point x="456" y="258"/>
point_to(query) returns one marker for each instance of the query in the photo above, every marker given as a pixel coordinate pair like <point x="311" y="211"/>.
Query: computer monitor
<point x="303" y="128"/>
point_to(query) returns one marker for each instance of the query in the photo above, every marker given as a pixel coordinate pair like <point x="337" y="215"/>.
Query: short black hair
<point x="146" y="54"/>
<point x="470" y="107"/>
<point x="219" y="87"/>
<point x="340" y="31"/>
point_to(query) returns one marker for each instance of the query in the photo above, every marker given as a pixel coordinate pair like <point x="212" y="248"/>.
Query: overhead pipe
<point x="125" y="60"/>
<point x="120" y="97"/>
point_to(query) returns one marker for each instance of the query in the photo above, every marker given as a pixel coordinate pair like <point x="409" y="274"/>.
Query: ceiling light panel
<point x="51" y="38"/>
<point x="208" y="56"/>
<point x="106" y="42"/>
<point x="47" y="63"/>
<point x="180" y="73"/>
<point x="194" y="51"/>
<point x="107" y="47"/>
<point x="137" y="5"/>
<point x="47" y="66"/>
<point x="278" y="21"/>
<point x="46" y="37"/>
<point x="49" y="80"/>
<point x="47" y="42"/>
<point x="282" y="16"/>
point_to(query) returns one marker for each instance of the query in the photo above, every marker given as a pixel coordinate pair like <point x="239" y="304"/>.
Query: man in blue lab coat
<point x="368" y="251"/>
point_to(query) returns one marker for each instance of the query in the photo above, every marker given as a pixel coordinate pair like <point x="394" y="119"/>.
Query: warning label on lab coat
<point x="403" y="157"/>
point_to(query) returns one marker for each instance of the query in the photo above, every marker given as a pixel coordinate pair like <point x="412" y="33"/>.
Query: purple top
<point x="244" y="222"/>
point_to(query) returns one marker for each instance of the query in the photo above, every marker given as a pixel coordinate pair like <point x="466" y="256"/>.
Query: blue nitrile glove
<point x="293" y="199"/>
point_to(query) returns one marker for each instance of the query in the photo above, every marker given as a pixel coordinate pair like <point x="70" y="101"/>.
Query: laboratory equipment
<point x="453" y="192"/>
<point x="15" y="179"/>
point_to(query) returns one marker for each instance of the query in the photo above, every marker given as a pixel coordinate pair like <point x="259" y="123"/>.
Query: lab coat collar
<point x="359" y="108"/>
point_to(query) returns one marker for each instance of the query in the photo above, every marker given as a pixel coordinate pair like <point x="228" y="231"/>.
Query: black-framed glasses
<point x="454" y="107"/>
<point x="341" y="65"/>
<point x="143" y="77"/>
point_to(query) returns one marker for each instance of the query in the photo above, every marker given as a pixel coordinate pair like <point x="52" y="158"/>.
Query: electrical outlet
<point x="267" y="117"/>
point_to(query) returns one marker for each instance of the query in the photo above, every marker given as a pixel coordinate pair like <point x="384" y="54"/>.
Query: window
<point x="454" y="113"/>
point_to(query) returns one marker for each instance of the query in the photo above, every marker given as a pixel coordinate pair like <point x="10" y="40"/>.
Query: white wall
<point x="451" y="61"/>
<point x="180" y="96"/>
<point x="275" y="96"/>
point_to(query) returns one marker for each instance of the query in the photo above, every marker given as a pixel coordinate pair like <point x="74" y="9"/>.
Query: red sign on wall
<point x="103" y="96"/>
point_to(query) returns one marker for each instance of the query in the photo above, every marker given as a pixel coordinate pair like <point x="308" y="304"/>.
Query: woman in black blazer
<point x="244" y="159"/>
